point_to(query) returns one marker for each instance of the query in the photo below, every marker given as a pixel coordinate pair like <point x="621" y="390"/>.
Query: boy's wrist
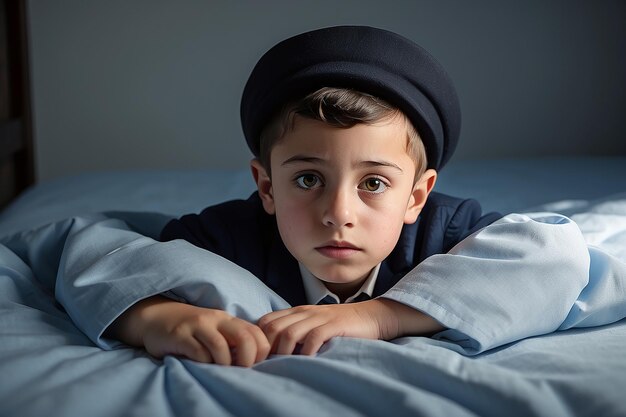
<point x="130" y="326"/>
<point x="395" y="320"/>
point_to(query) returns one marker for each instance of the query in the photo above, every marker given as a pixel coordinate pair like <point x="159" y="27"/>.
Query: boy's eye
<point x="308" y="181"/>
<point x="373" y="185"/>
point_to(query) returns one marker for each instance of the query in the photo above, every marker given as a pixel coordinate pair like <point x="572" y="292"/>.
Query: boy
<point x="349" y="126"/>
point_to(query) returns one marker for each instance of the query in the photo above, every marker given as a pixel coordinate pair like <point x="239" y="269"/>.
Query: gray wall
<point x="126" y="84"/>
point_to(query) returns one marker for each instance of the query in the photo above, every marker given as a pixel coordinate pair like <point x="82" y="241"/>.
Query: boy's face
<point x="341" y="196"/>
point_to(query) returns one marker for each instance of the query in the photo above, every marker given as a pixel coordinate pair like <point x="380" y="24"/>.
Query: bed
<point x="53" y="363"/>
<point x="50" y="367"/>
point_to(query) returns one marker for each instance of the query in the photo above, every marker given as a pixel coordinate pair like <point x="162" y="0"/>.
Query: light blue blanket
<point x="500" y="357"/>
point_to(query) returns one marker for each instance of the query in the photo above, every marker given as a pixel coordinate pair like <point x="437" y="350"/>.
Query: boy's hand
<point x="311" y="326"/>
<point x="166" y="327"/>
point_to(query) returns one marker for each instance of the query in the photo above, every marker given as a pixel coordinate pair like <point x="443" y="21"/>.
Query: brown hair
<point x="341" y="108"/>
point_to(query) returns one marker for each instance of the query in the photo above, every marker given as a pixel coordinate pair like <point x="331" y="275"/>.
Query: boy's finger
<point x="274" y="330"/>
<point x="217" y="346"/>
<point x="316" y="338"/>
<point x="245" y="347"/>
<point x="195" y="351"/>
<point x="274" y="315"/>
<point x="263" y="345"/>
<point x="294" y="334"/>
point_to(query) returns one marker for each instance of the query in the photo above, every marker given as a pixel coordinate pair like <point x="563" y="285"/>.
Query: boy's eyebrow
<point x="302" y="158"/>
<point x="315" y="160"/>
<point x="380" y="163"/>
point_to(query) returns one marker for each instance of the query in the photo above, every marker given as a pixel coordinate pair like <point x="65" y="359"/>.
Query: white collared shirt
<point x="315" y="289"/>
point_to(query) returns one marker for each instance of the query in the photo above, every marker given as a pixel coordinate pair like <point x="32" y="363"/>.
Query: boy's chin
<point x="339" y="276"/>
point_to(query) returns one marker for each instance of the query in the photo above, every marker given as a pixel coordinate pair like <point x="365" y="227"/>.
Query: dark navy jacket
<point x="242" y="232"/>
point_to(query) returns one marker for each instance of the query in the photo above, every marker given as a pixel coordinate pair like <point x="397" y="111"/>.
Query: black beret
<point x="370" y="60"/>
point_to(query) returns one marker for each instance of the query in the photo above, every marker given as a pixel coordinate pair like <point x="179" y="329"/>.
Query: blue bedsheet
<point x="51" y="368"/>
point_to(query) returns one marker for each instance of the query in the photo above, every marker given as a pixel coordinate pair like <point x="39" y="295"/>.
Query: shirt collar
<point x="315" y="289"/>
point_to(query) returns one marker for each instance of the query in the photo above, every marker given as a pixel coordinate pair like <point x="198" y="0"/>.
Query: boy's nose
<point x="339" y="210"/>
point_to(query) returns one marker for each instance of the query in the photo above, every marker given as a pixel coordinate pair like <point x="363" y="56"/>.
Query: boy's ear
<point x="264" y="185"/>
<point x="423" y="186"/>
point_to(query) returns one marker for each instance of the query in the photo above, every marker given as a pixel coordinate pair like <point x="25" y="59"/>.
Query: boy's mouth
<point x="338" y="249"/>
